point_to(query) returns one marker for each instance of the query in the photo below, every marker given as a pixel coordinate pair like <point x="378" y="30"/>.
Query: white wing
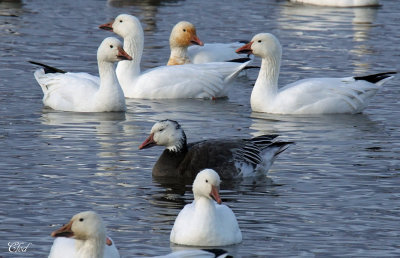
<point x="214" y="52"/>
<point x="66" y="91"/>
<point x="211" y="80"/>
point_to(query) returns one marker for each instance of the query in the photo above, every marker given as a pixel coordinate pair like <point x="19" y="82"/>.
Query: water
<point x="334" y="193"/>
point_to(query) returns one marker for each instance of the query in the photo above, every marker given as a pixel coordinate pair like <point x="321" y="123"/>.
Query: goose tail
<point x="48" y="68"/>
<point x="378" y="78"/>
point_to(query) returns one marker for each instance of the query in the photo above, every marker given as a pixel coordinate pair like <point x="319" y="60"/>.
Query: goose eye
<point x="259" y="41"/>
<point x="111" y="46"/>
<point x="184" y="30"/>
<point x="206" y="181"/>
<point x="81" y="219"/>
<point x="162" y="129"/>
<point x="120" y="20"/>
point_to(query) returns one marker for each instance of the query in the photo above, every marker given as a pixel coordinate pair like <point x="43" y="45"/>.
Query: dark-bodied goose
<point x="231" y="158"/>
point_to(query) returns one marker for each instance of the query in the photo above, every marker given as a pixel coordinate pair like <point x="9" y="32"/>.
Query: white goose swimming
<point x="82" y="92"/>
<point x="339" y="3"/>
<point x="204" y="81"/>
<point x="206" y="222"/>
<point x="308" y="96"/>
<point x="83" y="237"/>
<point x="214" y="52"/>
<point x="182" y="36"/>
<point x="187" y="48"/>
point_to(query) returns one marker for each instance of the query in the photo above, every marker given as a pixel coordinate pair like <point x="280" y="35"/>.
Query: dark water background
<point x="335" y="193"/>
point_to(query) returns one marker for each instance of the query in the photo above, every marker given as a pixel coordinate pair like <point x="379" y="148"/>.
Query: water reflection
<point x="293" y="125"/>
<point x="9" y="22"/>
<point x="150" y="111"/>
<point x="334" y="21"/>
<point x="142" y="3"/>
<point x="10" y="8"/>
<point x="102" y="130"/>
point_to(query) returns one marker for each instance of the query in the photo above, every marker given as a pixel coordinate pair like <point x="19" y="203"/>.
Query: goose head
<point x="168" y="133"/>
<point x="263" y="45"/>
<point x="83" y="226"/>
<point x="110" y="50"/>
<point x="183" y="35"/>
<point x="124" y="25"/>
<point x="206" y="185"/>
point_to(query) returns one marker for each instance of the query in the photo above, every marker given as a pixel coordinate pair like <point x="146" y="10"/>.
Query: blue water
<point x="336" y="192"/>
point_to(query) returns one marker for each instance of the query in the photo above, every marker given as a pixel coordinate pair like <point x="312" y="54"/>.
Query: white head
<point x="264" y="45"/>
<point x="83" y="226"/>
<point x="183" y="35"/>
<point x="206" y="184"/>
<point x="168" y="133"/>
<point x="125" y="25"/>
<point x="110" y="50"/>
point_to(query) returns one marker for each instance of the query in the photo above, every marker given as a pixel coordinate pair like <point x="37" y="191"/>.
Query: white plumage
<point x="82" y="92"/>
<point x="308" y="96"/>
<point x="206" y="222"/>
<point x="206" y="81"/>
<point x="83" y="237"/>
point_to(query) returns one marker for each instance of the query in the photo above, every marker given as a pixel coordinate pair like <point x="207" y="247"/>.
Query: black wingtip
<point x="217" y="252"/>
<point x="282" y="145"/>
<point x="374" y="78"/>
<point x="251" y="67"/>
<point x="47" y="68"/>
<point x="239" y="60"/>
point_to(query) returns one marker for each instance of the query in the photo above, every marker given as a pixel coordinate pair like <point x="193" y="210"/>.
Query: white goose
<point x="206" y="81"/>
<point x="214" y="52"/>
<point x="83" y="237"/>
<point x="82" y="92"/>
<point x="206" y="222"/>
<point x="339" y="3"/>
<point x="183" y="35"/>
<point x="308" y="96"/>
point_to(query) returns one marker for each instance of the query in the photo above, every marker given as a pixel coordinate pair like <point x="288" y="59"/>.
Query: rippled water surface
<point x="336" y="192"/>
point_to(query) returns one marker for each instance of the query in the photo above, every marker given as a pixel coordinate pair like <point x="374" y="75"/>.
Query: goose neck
<point x="90" y="248"/>
<point x="203" y="203"/>
<point x="268" y="75"/>
<point x="178" y="56"/>
<point x="108" y="78"/>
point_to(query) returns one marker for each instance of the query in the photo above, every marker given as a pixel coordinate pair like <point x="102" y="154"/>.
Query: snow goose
<point x="83" y="237"/>
<point x="215" y="52"/>
<point x="232" y="158"/>
<point x="82" y="92"/>
<point x="206" y="222"/>
<point x="204" y="81"/>
<point x="308" y="96"/>
<point x="339" y="3"/>
<point x="183" y="35"/>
